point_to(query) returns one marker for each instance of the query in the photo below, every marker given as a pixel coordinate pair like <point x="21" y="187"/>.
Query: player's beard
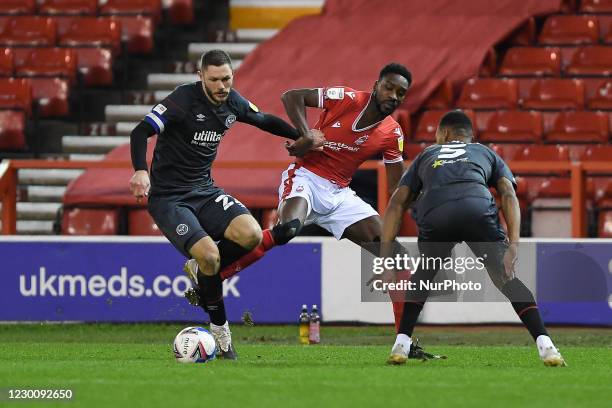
<point x="213" y="97"/>
<point x="379" y="106"/>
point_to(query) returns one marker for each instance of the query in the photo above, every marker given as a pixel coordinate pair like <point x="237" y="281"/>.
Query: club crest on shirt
<point x="182" y="229"/>
<point x="230" y="121"/>
<point x="361" y="140"/>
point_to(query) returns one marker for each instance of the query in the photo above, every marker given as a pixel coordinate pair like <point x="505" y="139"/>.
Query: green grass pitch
<point x="133" y="366"/>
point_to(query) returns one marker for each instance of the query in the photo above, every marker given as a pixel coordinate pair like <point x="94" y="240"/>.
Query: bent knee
<point x="207" y="256"/>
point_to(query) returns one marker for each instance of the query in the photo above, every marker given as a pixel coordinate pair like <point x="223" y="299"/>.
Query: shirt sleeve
<point x="242" y="107"/>
<point x="394" y="146"/>
<point x="333" y="97"/>
<point x="411" y="177"/>
<point x="171" y="110"/>
<point x="500" y="169"/>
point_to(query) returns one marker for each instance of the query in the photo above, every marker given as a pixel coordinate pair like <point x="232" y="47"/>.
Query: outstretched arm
<point x="271" y="124"/>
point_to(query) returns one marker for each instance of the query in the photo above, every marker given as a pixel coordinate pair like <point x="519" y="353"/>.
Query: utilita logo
<point x="207" y="136"/>
<point x="118" y="285"/>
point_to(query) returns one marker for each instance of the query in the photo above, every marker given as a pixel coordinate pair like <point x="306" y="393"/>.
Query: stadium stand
<point x="509" y="126"/>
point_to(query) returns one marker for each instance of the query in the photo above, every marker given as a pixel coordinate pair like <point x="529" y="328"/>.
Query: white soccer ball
<point x="194" y="345"/>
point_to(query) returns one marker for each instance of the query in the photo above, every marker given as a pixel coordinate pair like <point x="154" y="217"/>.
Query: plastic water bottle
<point x="314" y="334"/>
<point x="304" y="321"/>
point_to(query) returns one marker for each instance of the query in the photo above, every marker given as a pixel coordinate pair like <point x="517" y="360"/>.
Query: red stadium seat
<point x="16" y="94"/>
<point x="601" y="96"/>
<point x="15" y="7"/>
<point x="136" y="33"/>
<point x="51" y="96"/>
<point x="597" y="153"/>
<point x="576" y="126"/>
<point x="95" y="66"/>
<point x="591" y="61"/>
<point x="132" y="7"/>
<point x="596" y="6"/>
<point x="89" y="32"/>
<point x="442" y="98"/>
<point x="6" y="62"/>
<point x="488" y="93"/>
<point x="28" y="32"/>
<point x="566" y="30"/>
<point x="531" y="61"/>
<point x="46" y="62"/>
<point x="555" y="94"/>
<point x="90" y="221"/>
<point x="179" y="11"/>
<point x="509" y="126"/>
<point x="542" y="153"/>
<point x="428" y="123"/>
<point x="68" y="7"/>
<point x="141" y="223"/>
<point x="12" y="130"/>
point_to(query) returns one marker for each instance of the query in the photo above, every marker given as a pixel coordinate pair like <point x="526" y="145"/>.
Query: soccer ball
<point x="194" y="345"/>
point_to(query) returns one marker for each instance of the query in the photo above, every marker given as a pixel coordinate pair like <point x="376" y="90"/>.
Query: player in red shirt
<point x="357" y="126"/>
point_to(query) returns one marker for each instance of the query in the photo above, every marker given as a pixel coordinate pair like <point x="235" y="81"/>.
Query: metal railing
<point x="577" y="171"/>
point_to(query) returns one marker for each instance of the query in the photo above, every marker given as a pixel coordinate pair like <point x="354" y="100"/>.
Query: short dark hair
<point x="216" y="58"/>
<point x="458" y="122"/>
<point x="395" y="68"/>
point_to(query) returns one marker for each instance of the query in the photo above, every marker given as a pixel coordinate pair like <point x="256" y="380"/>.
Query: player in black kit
<point x="450" y="183"/>
<point x="188" y="208"/>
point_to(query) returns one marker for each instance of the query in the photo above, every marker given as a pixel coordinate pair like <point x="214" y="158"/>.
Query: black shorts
<point x="472" y="220"/>
<point x="186" y="218"/>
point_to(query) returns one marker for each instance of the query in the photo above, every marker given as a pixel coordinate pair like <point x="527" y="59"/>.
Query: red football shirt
<point x="346" y="146"/>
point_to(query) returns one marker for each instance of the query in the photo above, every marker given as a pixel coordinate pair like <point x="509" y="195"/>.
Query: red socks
<point x="267" y="243"/>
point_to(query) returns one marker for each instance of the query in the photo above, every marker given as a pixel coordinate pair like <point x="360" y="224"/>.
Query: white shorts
<point x="329" y="206"/>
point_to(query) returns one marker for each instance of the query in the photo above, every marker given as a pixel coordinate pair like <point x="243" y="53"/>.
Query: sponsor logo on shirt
<point x="338" y="146"/>
<point x="230" y="121"/>
<point x="206" y="136"/>
<point x="440" y="163"/>
<point x="336" y="125"/>
<point x="200" y="117"/>
<point x="351" y="95"/>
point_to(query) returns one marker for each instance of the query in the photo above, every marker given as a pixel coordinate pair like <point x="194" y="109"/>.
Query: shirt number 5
<point x="451" y="151"/>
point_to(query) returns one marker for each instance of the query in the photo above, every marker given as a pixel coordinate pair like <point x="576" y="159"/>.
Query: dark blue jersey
<point x="189" y="129"/>
<point x="453" y="171"/>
